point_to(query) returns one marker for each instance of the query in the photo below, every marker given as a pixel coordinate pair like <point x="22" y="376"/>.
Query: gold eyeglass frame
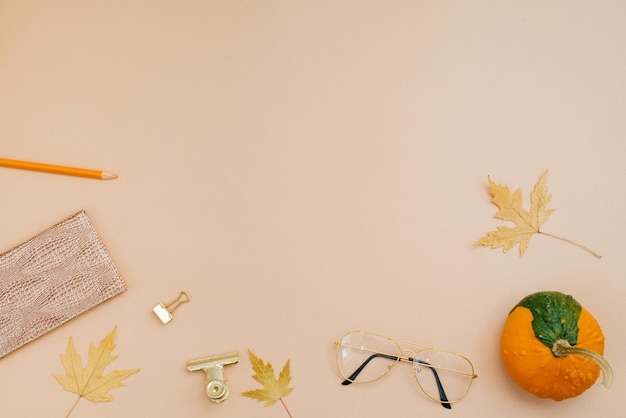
<point x="401" y="355"/>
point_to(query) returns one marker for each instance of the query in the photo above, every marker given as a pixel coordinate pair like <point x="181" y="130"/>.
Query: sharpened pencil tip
<point x="108" y="176"/>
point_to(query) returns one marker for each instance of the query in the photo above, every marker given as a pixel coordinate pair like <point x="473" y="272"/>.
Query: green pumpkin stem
<point x="562" y="348"/>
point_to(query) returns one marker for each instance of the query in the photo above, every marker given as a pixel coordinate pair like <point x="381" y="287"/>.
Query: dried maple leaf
<point x="527" y="222"/>
<point x="88" y="382"/>
<point x="273" y="389"/>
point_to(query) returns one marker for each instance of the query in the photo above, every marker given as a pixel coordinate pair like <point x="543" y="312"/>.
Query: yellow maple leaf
<point x="88" y="382"/>
<point x="527" y="222"/>
<point x="273" y="389"/>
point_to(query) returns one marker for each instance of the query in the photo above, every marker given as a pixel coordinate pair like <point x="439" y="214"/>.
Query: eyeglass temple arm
<point x="442" y="393"/>
<point x="358" y="371"/>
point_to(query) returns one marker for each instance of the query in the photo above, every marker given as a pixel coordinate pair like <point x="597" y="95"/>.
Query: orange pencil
<point x="57" y="169"/>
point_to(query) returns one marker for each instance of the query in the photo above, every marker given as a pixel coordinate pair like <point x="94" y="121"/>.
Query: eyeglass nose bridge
<point x="408" y="355"/>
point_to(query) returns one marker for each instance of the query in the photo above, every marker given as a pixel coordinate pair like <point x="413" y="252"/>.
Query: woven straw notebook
<point x="52" y="278"/>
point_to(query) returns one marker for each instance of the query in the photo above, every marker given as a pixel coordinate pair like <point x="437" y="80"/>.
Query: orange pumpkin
<point x="552" y="347"/>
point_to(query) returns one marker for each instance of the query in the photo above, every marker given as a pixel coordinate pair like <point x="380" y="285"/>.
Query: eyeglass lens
<point x="363" y="357"/>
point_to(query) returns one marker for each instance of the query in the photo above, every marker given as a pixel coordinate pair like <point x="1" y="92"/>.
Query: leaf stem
<point x="596" y="255"/>
<point x="73" y="406"/>
<point x="286" y="409"/>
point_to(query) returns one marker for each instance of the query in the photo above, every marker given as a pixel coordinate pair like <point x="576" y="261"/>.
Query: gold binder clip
<point x="165" y="312"/>
<point x="215" y="384"/>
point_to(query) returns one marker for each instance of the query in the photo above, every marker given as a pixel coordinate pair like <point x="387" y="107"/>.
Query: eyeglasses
<point x="444" y="377"/>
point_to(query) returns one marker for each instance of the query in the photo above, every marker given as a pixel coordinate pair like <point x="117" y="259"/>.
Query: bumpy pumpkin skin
<point x="532" y="365"/>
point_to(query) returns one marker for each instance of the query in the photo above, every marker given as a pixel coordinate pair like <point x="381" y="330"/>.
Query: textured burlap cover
<point x="52" y="278"/>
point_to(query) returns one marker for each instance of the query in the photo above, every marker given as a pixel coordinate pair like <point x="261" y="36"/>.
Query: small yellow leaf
<point x="273" y="389"/>
<point x="527" y="223"/>
<point x="88" y="382"/>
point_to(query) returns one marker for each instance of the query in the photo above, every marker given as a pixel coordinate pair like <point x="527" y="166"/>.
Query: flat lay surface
<point x="306" y="169"/>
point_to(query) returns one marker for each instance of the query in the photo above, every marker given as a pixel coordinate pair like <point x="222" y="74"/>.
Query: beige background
<point x="306" y="168"/>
